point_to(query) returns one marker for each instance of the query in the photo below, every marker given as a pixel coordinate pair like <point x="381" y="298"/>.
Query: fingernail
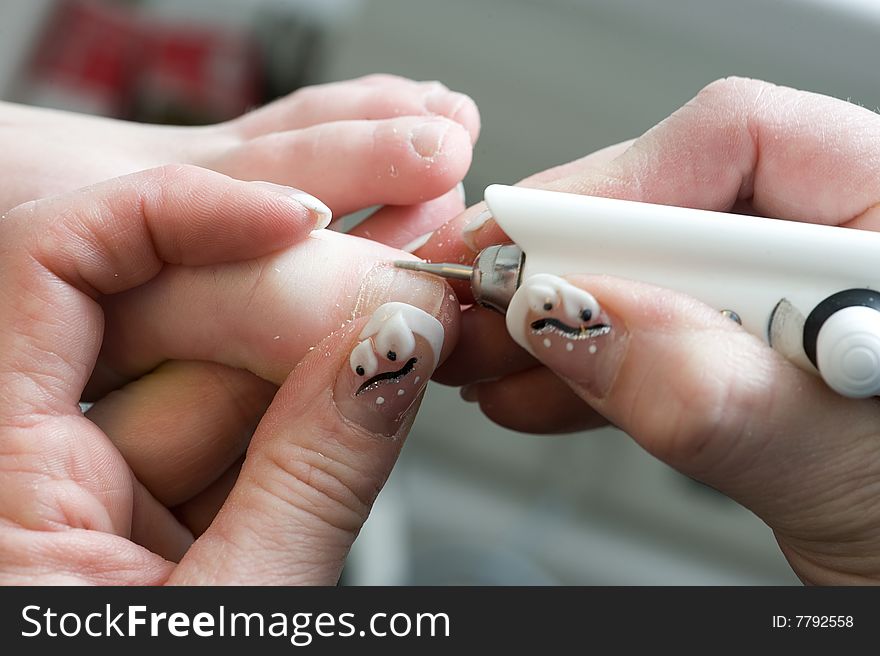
<point x="564" y="327"/>
<point x="320" y="212"/>
<point x="427" y="138"/>
<point x="385" y="282"/>
<point x="418" y="242"/>
<point x="472" y="229"/>
<point x="386" y="373"/>
<point x="460" y="189"/>
<point x="469" y="393"/>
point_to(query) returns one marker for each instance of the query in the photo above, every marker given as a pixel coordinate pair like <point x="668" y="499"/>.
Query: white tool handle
<point x="731" y="262"/>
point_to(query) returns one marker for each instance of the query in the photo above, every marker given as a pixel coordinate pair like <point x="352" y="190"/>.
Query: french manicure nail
<point x="389" y="367"/>
<point x="564" y="327"/>
<point x="473" y="227"/>
<point x="417" y="243"/>
<point x="321" y="214"/>
<point x="427" y="138"/>
<point x="460" y="189"/>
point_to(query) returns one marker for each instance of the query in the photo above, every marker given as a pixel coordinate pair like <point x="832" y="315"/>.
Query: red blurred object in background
<point x="115" y="61"/>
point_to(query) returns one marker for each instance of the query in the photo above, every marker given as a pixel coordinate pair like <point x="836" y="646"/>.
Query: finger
<point x="406" y="226"/>
<point x="368" y="98"/>
<point x="484" y="351"/>
<point x="198" y="512"/>
<point x="765" y="149"/>
<point x="742" y="139"/>
<point x="461" y="238"/>
<point x="56" y="255"/>
<point x="155" y="528"/>
<point x="183" y="424"/>
<point x="533" y="401"/>
<point x="351" y="165"/>
<point x="708" y="398"/>
<point x="286" y="302"/>
<point x="115" y="236"/>
<point x="587" y="163"/>
<point x="323" y="452"/>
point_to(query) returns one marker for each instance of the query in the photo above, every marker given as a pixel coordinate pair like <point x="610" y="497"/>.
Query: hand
<point x="377" y="140"/>
<point x="686" y="383"/>
<point x="86" y="499"/>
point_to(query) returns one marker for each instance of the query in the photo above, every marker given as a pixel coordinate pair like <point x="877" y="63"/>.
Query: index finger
<point x="58" y="254"/>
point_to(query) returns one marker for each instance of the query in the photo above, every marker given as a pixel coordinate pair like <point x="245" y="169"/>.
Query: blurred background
<point x="471" y="503"/>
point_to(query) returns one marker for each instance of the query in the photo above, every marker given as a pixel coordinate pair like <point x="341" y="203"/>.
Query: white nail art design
<point x="398" y="350"/>
<point x="546" y="305"/>
<point x="390" y="335"/>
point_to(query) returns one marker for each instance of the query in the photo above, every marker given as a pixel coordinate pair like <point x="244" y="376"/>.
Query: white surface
<point x="740" y="263"/>
<point x="848" y="352"/>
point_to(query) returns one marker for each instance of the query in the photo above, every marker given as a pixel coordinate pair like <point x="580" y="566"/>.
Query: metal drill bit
<point x="444" y="269"/>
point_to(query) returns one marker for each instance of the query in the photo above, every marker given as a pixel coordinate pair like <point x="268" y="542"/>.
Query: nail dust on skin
<point x="565" y="328"/>
<point x="397" y="352"/>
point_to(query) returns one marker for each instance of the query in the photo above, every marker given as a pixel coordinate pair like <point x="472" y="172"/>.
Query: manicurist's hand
<point x="102" y="286"/>
<point x="686" y="383"/>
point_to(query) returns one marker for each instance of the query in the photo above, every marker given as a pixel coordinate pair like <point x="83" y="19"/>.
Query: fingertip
<point x="317" y="214"/>
<point x="436" y="156"/>
<point x="456" y="106"/>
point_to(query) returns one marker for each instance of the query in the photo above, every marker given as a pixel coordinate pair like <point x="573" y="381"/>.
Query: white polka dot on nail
<point x="569" y="347"/>
<point x="380" y="400"/>
<point x="400" y="392"/>
<point x="547" y="342"/>
<point x="418" y="378"/>
<point x="593" y="348"/>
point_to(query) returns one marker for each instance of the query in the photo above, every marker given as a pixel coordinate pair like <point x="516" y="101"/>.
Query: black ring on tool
<point x="820" y="314"/>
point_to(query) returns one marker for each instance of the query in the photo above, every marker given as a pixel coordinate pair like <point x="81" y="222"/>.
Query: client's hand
<point x="376" y="140"/>
<point x="118" y="495"/>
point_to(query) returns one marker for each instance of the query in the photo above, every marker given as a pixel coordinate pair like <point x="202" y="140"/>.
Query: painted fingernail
<point x="470" y="393"/>
<point x="564" y="327"/>
<point x="395" y="356"/>
<point x="319" y="211"/>
<point x="427" y="138"/>
<point x="474" y="227"/>
<point x="418" y="242"/>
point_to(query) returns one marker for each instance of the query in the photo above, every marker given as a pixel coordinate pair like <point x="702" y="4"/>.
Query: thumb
<point x="710" y="399"/>
<point x="323" y="452"/>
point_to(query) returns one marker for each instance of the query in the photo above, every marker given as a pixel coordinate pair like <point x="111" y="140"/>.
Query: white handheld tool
<point x="809" y="290"/>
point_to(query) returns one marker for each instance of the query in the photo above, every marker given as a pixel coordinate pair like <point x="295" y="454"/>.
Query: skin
<point x="166" y="439"/>
<point x="691" y="387"/>
<point x="119" y="496"/>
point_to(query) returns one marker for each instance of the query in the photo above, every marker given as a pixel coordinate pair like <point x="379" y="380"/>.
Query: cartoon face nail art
<point x="399" y="349"/>
<point x="563" y="326"/>
<point x="547" y="311"/>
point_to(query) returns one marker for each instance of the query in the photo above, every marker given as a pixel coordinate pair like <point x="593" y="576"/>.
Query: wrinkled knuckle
<point x="318" y="485"/>
<point x="167" y="174"/>
<point x="732" y="93"/>
<point x="711" y="411"/>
